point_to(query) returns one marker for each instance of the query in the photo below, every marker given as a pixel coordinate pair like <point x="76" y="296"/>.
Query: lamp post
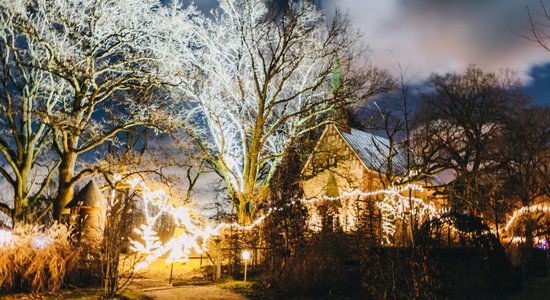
<point x="245" y="256"/>
<point x="171" y="271"/>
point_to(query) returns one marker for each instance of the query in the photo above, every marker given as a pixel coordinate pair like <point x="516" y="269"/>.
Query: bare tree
<point x="103" y="54"/>
<point x="258" y="81"/>
<point x="539" y="24"/>
<point x="390" y="125"/>
<point x="458" y="125"/>
<point x="522" y="172"/>
<point x="117" y="267"/>
<point x="525" y="150"/>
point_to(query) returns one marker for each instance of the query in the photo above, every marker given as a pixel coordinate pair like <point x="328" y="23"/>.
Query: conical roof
<point x="90" y="196"/>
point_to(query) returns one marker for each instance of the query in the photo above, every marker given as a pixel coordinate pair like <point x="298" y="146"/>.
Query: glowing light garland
<point x="536" y="208"/>
<point x="391" y="191"/>
<point x="178" y="248"/>
<point x="393" y="207"/>
<point x="450" y="225"/>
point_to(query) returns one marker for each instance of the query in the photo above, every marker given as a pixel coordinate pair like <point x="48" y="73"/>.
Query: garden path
<point x="193" y="292"/>
<point x="189" y="283"/>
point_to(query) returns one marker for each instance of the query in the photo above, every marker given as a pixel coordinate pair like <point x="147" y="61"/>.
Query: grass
<point x="252" y="289"/>
<point x="534" y="288"/>
<point x="80" y="294"/>
<point x="249" y="288"/>
<point x="37" y="257"/>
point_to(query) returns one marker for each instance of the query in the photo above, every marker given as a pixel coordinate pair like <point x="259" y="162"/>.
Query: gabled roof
<point x="90" y="196"/>
<point x="372" y="149"/>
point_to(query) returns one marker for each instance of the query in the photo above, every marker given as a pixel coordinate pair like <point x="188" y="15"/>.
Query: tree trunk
<point x="21" y="200"/>
<point x="65" y="189"/>
<point x="17" y="208"/>
<point x="243" y="215"/>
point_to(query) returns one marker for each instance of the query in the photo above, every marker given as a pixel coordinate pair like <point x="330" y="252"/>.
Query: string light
<point x="536" y="208"/>
<point x="178" y="248"/>
<point x="448" y="222"/>
<point x="391" y="191"/>
<point x="393" y="206"/>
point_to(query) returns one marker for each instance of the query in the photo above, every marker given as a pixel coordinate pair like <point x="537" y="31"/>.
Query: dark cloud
<point x="446" y="36"/>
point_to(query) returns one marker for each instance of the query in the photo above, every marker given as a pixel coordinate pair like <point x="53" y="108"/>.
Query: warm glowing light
<point x="40" y="242"/>
<point x="536" y="208"/>
<point x="245" y="255"/>
<point x="6" y="238"/>
<point x="193" y="237"/>
<point x="394" y="206"/>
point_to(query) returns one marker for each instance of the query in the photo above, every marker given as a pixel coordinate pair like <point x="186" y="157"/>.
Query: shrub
<point x="34" y="258"/>
<point x="318" y="269"/>
<point x="400" y="273"/>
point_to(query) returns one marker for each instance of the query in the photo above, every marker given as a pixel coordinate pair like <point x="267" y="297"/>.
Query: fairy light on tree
<point x="77" y="59"/>
<point x="256" y="81"/>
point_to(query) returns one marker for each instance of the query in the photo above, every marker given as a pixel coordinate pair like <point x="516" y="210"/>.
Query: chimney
<point x="342" y="120"/>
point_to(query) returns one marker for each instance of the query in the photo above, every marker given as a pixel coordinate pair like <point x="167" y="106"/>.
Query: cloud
<point x="446" y="36"/>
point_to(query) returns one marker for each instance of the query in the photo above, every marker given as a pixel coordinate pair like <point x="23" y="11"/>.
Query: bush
<point x="34" y="258"/>
<point x="318" y="269"/>
<point x="435" y="273"/>
<point x="400" y="273"/>
<point x="531" y="261"/>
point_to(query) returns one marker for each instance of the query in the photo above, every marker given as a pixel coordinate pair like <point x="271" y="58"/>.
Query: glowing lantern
<point x="246" y="257"/>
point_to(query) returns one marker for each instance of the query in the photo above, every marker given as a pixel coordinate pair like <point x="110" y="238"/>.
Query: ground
<point x="188" y="282"/>
<point x="193" y="292"/>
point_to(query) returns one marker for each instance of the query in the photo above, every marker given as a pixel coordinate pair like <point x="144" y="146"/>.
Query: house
<point x="347" y="167"/>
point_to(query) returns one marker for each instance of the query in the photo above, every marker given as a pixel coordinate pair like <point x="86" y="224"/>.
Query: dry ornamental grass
<point x="34" y="258"/>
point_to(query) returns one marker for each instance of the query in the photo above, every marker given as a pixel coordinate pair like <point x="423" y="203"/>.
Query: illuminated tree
<point x="24" y="139"/>
<point x="101" y="57"/>
<point x="257" y="81"/>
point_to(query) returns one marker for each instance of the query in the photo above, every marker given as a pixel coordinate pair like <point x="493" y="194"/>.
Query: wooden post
<point x="171" y="272"/>
<point x="245" y="267"/>
<point x="218" y="272"/>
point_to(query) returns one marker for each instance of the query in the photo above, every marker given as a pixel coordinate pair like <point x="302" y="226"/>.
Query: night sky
<point x="427" y="36"/>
